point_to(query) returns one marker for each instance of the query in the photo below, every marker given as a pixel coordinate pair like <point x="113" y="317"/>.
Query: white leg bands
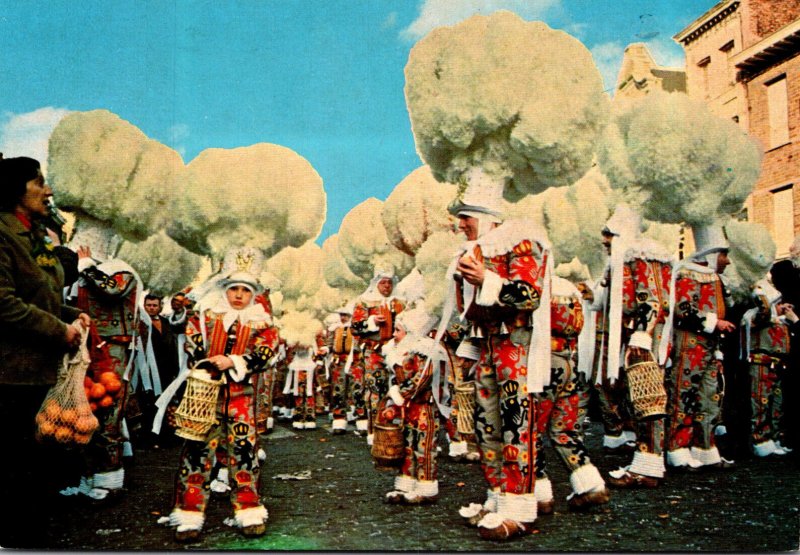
<point x="310" y="425"/>
<point x="339" y="424"/>
<point x="297" y="425"/>
<point x="648" y="464"/>
<point x="404" y="483"/>
<point x="679" y="457"/>
<point x="520" y="507"/>
<point x="186" y="520"/>
<point x="765" y="448"/>
<point x="543" y="489"/>
<point x="362" y="425"/>
<point x="270" y="422"/>
<point x="457" y="448"/>
<point x="110" y="480"/>
<point x="585" y="478"/>
<point x="706" y="456"/>
<point x="370" y="438"/>
<point x="251" y="517"/>
<point x="426" y="488"/>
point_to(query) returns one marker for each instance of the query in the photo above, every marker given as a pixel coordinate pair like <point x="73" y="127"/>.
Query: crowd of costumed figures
<point x="555" y="249"/>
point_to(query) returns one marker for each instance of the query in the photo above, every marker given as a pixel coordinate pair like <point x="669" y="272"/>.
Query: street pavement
<point x="323" y="494"/>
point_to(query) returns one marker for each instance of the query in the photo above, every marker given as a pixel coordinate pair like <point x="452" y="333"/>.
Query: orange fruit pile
<point x="66" y="424"/>
<point x="101" y="393"/>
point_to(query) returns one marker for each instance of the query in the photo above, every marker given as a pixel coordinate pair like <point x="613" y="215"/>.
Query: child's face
<point x="239" y="296"/>
<point x="399" y="333"/>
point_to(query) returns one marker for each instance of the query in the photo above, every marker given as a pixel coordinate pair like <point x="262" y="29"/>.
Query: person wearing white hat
<point x="499" y="282"/>
<point x="234" y="338"/>
<point x="373" y="320"/>
<point x="415" y="361"/>
<point x="693" y="332"/>
<point x="107" y="289"/>
<point x="342" y="352"/>
<point x="633" y="301"/>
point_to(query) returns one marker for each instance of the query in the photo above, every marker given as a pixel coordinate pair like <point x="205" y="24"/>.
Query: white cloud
<point x="28" y="134"/>
<point x="666" y="52"/>
<point x="390" y="21"/>
<point x="608" y="59"/>
<point x="435" y="13"/>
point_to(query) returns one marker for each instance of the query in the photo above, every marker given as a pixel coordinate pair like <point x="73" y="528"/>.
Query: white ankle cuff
<point x="585" y="478"/>
<point x="648" y="464"/>
<point x="517" y="506"/>
<point x="251" y="516"/>
<point x="543" y="489"/>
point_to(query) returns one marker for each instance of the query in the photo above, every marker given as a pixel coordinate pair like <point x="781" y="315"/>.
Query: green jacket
<point x="32" y="311"/>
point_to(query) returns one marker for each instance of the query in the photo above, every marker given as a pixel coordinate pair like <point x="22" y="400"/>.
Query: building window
<point x="703" y="75"/>
<point x="783" y="219"/>
<point x="778" y="106"/>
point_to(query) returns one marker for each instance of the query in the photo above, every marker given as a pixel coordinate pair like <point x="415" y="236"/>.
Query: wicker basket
<point x="197" y="411"/>
<point x="465" y="403"/>
<point x="646" y="387"/>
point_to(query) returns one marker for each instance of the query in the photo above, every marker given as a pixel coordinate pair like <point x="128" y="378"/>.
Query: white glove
<point x="394" y="394"/>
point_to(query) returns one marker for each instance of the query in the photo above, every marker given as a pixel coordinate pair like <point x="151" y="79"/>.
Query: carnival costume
<point x="636" y="297"/>
<point x="513" y="362"/>
<point x="766" y="338"/>
<point x="694" y="380"/>
<point x="345" y="388"/>
<point x="107" y="291"/>
<point x="372" y="336"/>
<point x="416" y="365"/>
<point x="249" y="339"/>
<point x="561" y="407"/>
<point x="299" y="384"/>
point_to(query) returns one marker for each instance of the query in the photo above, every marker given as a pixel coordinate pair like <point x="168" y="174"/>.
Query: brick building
<point x="742" y="60"/>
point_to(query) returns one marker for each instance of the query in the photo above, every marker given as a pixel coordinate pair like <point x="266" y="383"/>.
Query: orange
<point x="107" y="377"/>
<point x="113" y="386"/>
<point x="47" y="428"/>
<point x="93" y="406"/>
<point x="87" y="382"/>
<point x="52" y="410"/>
<point x="64" y="435"/>
<point x="106" y="401"/>
<point x="85" y="424"/>
<point x="98" y="391"/>
<point x="82" y="439"/>
<point x="69" y="416"/>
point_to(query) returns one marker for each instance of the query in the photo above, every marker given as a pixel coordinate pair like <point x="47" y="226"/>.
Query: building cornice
<point x="780" y="45"/>
<point x="706" y="21"/>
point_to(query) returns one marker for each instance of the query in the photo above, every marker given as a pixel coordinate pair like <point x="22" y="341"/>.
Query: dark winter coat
<point x="32" y="313"/>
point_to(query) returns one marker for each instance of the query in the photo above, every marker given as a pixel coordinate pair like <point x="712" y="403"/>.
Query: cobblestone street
<point x="753" y="507"/>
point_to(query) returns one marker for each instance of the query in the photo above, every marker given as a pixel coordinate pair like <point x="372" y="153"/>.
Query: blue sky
<point x="322" y="77"/>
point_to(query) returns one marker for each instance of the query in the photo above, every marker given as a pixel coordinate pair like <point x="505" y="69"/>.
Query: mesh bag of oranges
<point x="65" y="415"/>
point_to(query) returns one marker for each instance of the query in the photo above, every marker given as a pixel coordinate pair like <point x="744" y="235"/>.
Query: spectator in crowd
<point x="36" y="335"/>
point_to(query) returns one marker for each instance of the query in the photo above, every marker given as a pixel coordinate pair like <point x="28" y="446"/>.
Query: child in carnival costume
<point x="107" y="289"/>
<point x="236" y="338"/>
<point x="417" y="363"/>
<point x="561" y="406"/>
<point x="300" y="380"/>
